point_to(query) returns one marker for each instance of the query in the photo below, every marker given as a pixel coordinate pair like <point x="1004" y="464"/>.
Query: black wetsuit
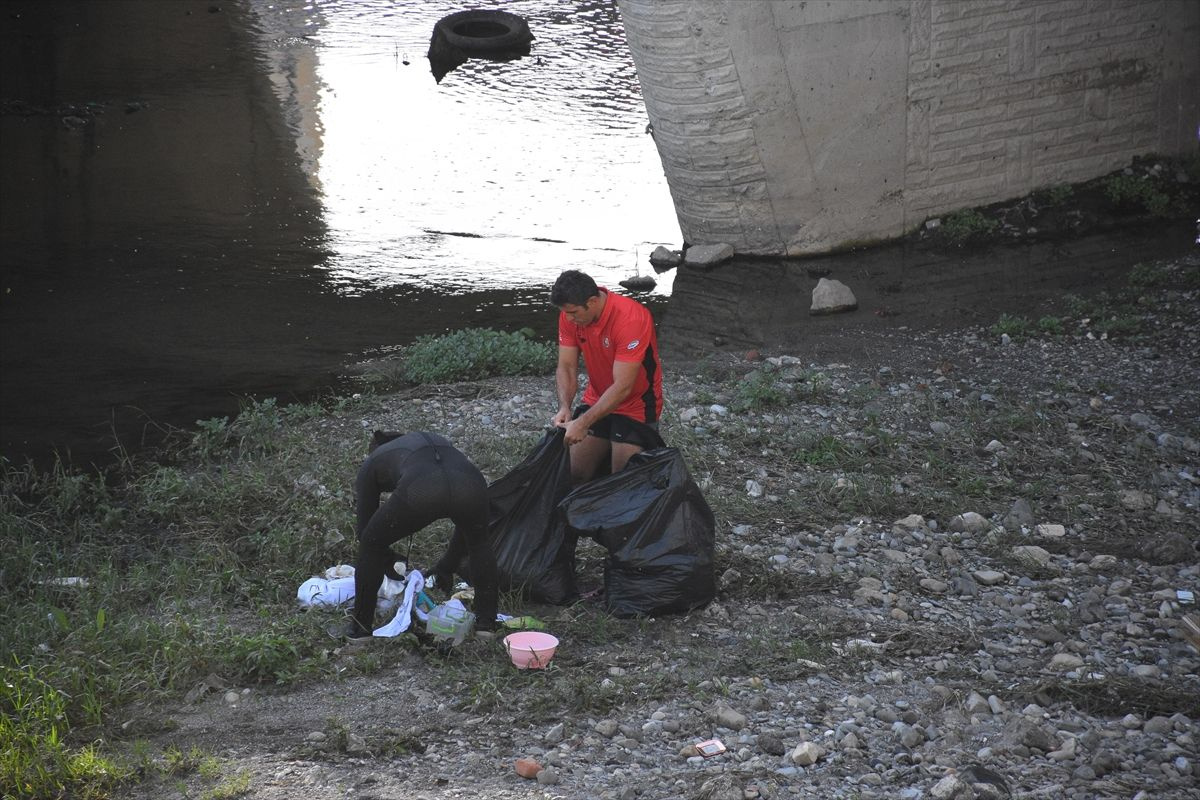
<point x="428" y="480"/>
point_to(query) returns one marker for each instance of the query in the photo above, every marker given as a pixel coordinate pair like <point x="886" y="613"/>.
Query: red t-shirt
<point x="623" y="332"/>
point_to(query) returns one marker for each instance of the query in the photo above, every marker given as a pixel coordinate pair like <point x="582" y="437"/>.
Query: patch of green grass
<point x="129" y="590"/>
<point x="821" y="450"/>
<point x="1118" y="325"/>
<point x="229" y="787"/>
<point x="473" y="353"/>
<point x="1051" y="325"/>
<point x="759" y="390"/>
<point x="962" y="226"/>
<point x="37" y="759"/>
<point x="1014" y="326"/>
<point x="1145" y="276"/>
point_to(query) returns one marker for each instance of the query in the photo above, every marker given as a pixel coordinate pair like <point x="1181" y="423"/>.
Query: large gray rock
<point x="832" y="297"/>
<point x="663" y="259"/>
<point x="707" y="255"/>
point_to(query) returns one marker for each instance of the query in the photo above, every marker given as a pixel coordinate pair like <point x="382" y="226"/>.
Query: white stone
<point x="831" y="297"/>
<point x="1048" y="530"/>
<point x="807" y="753"/>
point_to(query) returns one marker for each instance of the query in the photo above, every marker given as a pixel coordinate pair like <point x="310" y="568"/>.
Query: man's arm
<point x="624" y="375"/>
<point x="566" y="381"/>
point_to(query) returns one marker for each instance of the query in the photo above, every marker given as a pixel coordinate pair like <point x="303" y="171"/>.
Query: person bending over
<point x="428" y="479"/>
<point x="623" y="399"/>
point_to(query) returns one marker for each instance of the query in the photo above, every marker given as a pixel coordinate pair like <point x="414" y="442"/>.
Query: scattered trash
<point x="525" y="623"/>
<point x="74" y="582"/>
<point x="710" y="747"/>
<point x="1191" y="630"/>
<point x="858" y="646"/>
<point x="425" y="602"/>
<point x="1185" y="596"/>
<point x="528" y="768"/>
<point x="477" y="33"/>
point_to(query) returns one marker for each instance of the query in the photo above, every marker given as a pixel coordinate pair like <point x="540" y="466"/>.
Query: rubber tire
<point x="484" y="31"/>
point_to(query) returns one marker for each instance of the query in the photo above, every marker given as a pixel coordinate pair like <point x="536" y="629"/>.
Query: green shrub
<point x="474" y="353"/>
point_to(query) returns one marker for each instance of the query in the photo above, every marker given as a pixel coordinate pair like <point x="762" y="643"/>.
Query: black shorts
<point x="620" y="428"/>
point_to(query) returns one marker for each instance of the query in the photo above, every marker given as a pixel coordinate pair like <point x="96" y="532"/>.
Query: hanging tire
<point x="484" y="31"/>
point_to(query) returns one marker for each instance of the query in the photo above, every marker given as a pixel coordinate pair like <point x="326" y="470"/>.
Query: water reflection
<point x="499" y="175"/>
<point x="259" y="193"/>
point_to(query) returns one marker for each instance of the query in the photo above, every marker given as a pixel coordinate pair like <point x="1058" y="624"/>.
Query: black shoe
<point x="351" y="633"/>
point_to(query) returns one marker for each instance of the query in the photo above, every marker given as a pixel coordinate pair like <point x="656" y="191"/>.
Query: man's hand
<point x="576" y="431"/>
<point x="561" y="419"/>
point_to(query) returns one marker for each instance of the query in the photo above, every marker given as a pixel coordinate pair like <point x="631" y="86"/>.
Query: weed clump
<point x="472" y="353"/>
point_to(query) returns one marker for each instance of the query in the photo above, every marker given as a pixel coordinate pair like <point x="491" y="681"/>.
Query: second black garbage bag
<point x="659" y="532"/>
<point x="651" y="518"/>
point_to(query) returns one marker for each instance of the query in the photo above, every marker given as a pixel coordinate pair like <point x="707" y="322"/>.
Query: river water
<point x="206" y="202"/>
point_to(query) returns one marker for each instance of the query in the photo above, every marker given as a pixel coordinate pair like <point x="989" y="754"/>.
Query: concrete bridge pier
<point x="800" y="127"/>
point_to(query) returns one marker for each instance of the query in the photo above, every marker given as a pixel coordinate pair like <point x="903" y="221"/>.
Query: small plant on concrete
<point x="967" y="224"/>
<point x="1139" y="191"/>
<point x="1059" y="195"/>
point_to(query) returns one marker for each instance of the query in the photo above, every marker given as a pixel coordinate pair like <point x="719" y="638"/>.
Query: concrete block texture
<point x="798" y="127"/>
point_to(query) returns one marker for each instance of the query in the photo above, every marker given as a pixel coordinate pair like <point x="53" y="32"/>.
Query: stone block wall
<point x="793" y="127"/>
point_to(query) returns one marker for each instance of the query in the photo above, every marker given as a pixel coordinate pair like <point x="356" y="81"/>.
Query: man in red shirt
<point x="623" y="399"/>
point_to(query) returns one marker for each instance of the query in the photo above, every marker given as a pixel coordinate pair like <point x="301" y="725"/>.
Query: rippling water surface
<point x="205" y="203"/>
<point x="499" y="175"/>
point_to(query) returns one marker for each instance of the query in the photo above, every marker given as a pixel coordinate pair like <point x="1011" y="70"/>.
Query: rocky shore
<point x="957" y="569"/>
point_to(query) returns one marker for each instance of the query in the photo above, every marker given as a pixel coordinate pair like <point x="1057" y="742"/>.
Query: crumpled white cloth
<point x="413" y="583"/>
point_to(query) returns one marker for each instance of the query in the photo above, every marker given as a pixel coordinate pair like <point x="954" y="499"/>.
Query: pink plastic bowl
<point x="530" y="649"/>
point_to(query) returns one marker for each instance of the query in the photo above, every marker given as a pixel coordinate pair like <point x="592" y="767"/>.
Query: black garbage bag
<point x="534" y="555"/>
<point x="659" y="532"/>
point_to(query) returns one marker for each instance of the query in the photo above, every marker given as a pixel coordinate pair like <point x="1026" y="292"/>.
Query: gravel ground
<point x="956" y="570"/>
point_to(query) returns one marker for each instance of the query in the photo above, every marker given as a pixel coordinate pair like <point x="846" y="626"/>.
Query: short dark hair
<point x="382" y="437"/>
<point x="573" y="288"/>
